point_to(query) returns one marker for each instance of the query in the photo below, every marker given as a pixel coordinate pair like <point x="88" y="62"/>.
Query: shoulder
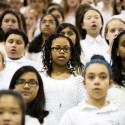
<point x="31" y="120"/>
<point x="50" y="119"/>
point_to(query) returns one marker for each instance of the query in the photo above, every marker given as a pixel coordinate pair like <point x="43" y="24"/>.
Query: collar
<point x="21" y="60"/>
<point x="87" y="107"/>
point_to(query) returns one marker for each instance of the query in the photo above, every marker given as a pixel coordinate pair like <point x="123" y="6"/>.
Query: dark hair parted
<point x="36" y="44"/>
<point x="19" y="99"/>
<point x="83" y="31"/>
<point x="101" y="60"/>
<point x="47" y="61"/>
<point x="77" y="41"/>
<point x="117" y="67"/>
<point x="9" y="11"/>
<point x="36" y="107"/>
<point x="17" y="32"/>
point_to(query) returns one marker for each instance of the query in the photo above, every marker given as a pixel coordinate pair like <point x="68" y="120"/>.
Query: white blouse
<point x="62" y="95"/>
<point x="91" y="46"/>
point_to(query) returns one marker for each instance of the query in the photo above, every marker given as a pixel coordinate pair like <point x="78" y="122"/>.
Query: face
<point x="92" y="23"/>
<point x="72" y="3"/>
<point x="60" y="58"/>
<point x="9" y="22"/>
<point x="30" y="20"/>
<point x="14" y="46"/>
<point x="57" y="14"/>
<point x="28" y="92"/>
<point x="97" y="81"/>
<point x="48" y="25"/>
<point x="2" y="65"/>
<point x="87" y="1"/>
<point x="121" y="47"/>
<point x="114" y="28"/>
<point x="107" y="1"/>
<point x="69" y="33"/>
<point x="16" y="5"/>
<point x="10" y="114"/>
<point x="38" y="5"/>
<point x="118" y="6"/>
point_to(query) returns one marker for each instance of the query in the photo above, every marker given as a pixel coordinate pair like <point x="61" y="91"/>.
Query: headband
<point x="100" y="61"/>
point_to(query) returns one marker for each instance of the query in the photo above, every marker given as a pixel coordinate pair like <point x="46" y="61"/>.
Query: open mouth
<point x="94" y="26"/>
<point x="61" y="57"/>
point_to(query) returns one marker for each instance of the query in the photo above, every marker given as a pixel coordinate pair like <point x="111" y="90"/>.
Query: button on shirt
<point x="85" y="114"/>
<point x="91" y="46"/>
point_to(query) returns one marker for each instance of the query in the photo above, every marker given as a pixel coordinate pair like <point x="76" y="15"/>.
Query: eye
<point x="123" y="44"/>
<point x="103" y="77"/>
<point x="90" y="77"/>
<point x="21" y="81"/>
<point x="33" y="82"/>
<point x="112" y="30"/>
<point x="66" y="49"/>
<point x="62" y="33"/>
<point x="57" y="48"/>
<point x="13" y="21"/>
<point x="7" y="20"/>
<point x="19" y="42"/>
<point x="70" y="33"/>
<point x="10" y="41"/>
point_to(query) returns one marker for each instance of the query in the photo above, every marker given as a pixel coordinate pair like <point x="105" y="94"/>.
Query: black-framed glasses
<point x="31" y="83"/>
<point x="49" y="21"/>
<point x="58" y="49"/>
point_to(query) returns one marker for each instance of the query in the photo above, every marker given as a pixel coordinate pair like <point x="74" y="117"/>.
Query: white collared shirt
<point x="85" y="114"/>
<point x="11" y="67"/>
<point x="91" y="46"/>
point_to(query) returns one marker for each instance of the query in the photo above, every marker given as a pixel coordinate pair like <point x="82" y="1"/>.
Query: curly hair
<point x="47" y="52"/>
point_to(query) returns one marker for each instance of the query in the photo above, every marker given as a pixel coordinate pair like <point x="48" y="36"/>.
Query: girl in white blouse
<point x="63" y="90"/>
<point x="90" y="29"/>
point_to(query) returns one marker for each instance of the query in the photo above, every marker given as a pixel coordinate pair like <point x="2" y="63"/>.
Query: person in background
<point x="117" y="7"/>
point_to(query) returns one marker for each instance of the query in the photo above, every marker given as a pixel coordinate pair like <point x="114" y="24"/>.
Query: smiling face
<point x="92" y="23"/>
<point x="9" y="22"/>
<point x="60" y="58"/>
<point x="10" y="111"/>
<point x="114" y="28"/>
<point x="14" y="46"/>
<point x="48" y="25"/>
<point x="69" y="33"/>
<point x="29" y="93"/>
<point x="97" y="81"/>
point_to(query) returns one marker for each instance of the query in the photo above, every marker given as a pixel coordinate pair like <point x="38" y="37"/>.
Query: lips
<point x="61" y="57"/>
<point x="97" y="89"/>
<point x="25" y="93"/>
<point x="94" y="26"/>
<point x="13" y="50"/>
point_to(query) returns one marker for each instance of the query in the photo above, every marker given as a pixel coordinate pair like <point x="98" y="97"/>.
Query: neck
<point x="107" y="7"/>
<point x="71" y="11"/>
<point x="93" y="35"/>
<point x="59" y="73"/>
<point x="109" y="50"/>
<point x="99" y="103"/>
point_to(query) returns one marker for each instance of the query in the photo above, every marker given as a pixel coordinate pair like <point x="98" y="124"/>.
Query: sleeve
<point x="81" y="91"/>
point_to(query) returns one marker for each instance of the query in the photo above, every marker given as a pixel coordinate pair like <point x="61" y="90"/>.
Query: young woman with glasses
<point x="28" y="82"/>
<point x="48" y="25"/>
<point x="63" y="90"/>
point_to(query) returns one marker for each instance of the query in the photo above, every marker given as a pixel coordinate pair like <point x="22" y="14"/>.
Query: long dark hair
<point x="47" y="52"/>
<point x="36" y="44"/>
<point x="117" y="67"/>
<point x="36" y="107"/>
<point x="83" y="31"/>
<point x="19" y="99"/>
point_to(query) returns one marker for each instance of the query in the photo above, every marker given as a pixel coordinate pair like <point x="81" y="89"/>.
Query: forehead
<point x="48" y="17"/>
<point x="61" y="41"/>
<point x="29" y="75"/>
<point x="96" y="68"/>
<point x="92" y="13"/>
<point x="122" y="39"/>
<point x="67" y="29"/>
<point x="15" y="36"/>
<point x="116" y="23"/>
<point x="10" y="15"/>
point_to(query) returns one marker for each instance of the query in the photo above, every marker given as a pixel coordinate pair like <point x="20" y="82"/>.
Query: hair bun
<point x="98" y="57"/>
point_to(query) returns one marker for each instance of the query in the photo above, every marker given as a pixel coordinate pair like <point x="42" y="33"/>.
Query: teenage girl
<point x="96" y="110"/>
<point x="63" y="90"/>
<point x="28" y="82"/>
<point x="112" y="28"/>
<point x="90" y="25"/>
<point x="117" y="92"/>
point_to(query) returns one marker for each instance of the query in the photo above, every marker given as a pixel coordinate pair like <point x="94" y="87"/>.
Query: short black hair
<point x="17" y="32"/>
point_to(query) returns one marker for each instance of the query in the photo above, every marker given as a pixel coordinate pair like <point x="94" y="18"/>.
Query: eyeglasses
<point x="58" y="49"/>
<point x="49" y="21"/>
<point x="31" y="83"/>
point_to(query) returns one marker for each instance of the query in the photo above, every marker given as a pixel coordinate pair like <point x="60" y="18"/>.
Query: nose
<point x="14" y="44"/>
<point x="26" y="86"/>
<point x="97" y="81"/>
<point x="10" y="22"/>
<point x="7" y="116"/>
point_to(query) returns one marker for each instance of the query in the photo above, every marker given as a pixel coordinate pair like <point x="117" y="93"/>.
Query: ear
<point x="106" y="36"/>
<point x="117" y="52"/>
<point x="84" y="83"/>
<point x="3" y="67"/>
<point x="110" y="83"/>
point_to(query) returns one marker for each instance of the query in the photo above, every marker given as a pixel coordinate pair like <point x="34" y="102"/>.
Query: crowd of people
<point x="62" y="62"/>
